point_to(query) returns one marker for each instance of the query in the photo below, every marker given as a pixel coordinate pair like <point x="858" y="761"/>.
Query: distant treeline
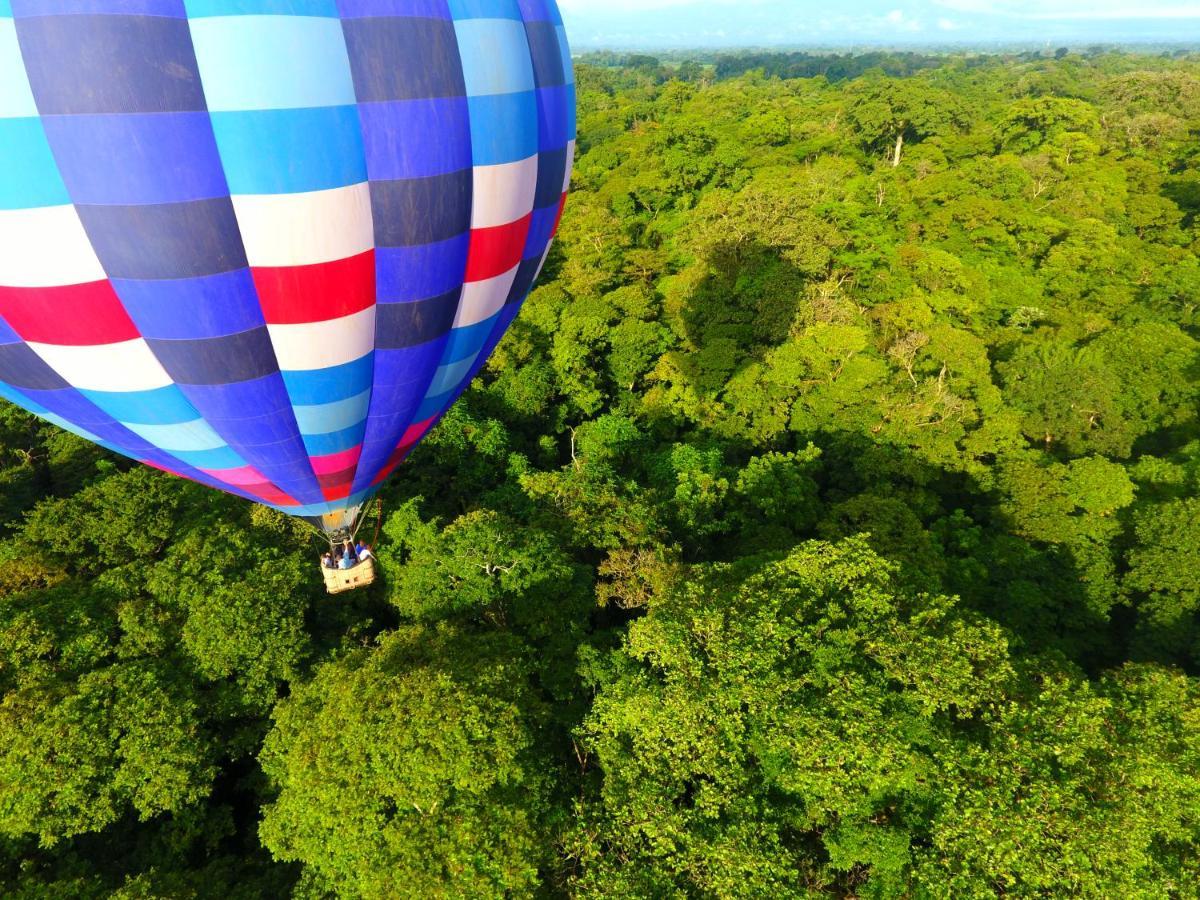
<point x="697" y="65"/>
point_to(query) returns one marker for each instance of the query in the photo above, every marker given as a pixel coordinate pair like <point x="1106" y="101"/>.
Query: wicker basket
<point x="338" y="581"/>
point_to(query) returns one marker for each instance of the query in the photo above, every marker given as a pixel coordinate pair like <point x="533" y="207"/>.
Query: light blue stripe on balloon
<point x="272" y="62"/>
<point x="16" y="98"/>
<point x="466" y="342"/>
<point x="30" y="177"/>
<point x="495" y="56"/>
<point x="334" y="442"/>
<point x="161" y="406"/>
<point x="316" y="386"/>
<point x="337" y="416"/>
<point x="485" y="9"/>
<point x="503" y="128"/>
<point x="199" y="9"/>
<point x="172" y="9"/>
<point x="290" y="151"/>
<point x="12" y="395"/>
<point x="223" y="458"/>
<point x="447" y="378"/>
<point x="186" y="436"/>
<point x="5" y="9"/>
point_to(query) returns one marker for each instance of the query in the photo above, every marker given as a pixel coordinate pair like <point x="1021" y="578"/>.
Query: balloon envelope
<point x="265" y="244"/>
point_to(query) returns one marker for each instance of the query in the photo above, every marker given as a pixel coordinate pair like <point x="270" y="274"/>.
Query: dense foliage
<point x="827" y="525"/>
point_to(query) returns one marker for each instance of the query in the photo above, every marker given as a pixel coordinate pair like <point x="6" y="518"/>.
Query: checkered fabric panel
<point x="265" y="244"/>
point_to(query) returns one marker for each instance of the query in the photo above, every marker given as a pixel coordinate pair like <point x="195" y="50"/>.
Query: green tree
<point x="414" y="767"/>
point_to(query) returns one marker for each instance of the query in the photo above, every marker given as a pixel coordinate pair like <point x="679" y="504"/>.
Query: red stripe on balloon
<point x="495" y="251"/>
<point x="337" y="485"/>
<point x="294" y="295"/>
<point x="74" y="315"/>
<point x="268" y="493"/>
<point x="336" y="462"/>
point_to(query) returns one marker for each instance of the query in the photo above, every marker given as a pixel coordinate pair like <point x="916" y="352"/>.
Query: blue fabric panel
<point x="172" y="8"/>
<point x="495" y="56"/>
<point x="110" y="64"/>
<point x="485" y="9"/>
<point x="450" y="375"/>
<point x="174" y="240"/>
<point x="158" y="158"/>
<point x="366" y="9"/>
<point x="432" y="406"/>
<point x="73" y="407"/>
<point x="339" y="415"/>
<point x="421" y="210"/>
<point x="5" y="8"/>
<point x="316" y="386"/>
<point x="566" y="55"/>
<point x="7" y="335"/>
<point x="192" y="308"/>
<point x="556" y="117"/>
<point x="400" y="325"/>
<point x="547" y="54"/>
<point x="526" y="273"/>
<point x="334" y="441"/>
<point x="552" y="172"/>
<point x="290" y="151"/>
<point x="401" y="379"/>
<point x="541" y="229"/>
<point x="272" y="62"/>
<point x="22" y="368"/>
<point x="502" y="322"/>
<point x="220" y="458"/>
<point x="246" y="356"/>
<point x="162" y="406"/>
<point x="503" y="128"/>
<point x="30" y="176"/>
<point x="400" y="370"/>
<point x="255" y="417"/>
<point x="421" y="271"/>
<point x="416" y="138"/>
<point x="403" y="59"/>
<point x="199" y="9"/>
<point x="466" y="342"/>
<point x="539" y="11"/>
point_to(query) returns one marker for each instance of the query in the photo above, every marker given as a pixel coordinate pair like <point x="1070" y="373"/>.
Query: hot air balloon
<point x="266" y="244"/>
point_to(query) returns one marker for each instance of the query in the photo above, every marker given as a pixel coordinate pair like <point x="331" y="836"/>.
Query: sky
<point x="629" y="24"/>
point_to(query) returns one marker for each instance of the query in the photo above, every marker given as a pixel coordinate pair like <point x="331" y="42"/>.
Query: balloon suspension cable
<point x="378" y="520"/>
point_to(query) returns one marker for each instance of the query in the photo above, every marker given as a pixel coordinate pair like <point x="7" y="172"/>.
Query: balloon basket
<point x="338" y="581"/>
